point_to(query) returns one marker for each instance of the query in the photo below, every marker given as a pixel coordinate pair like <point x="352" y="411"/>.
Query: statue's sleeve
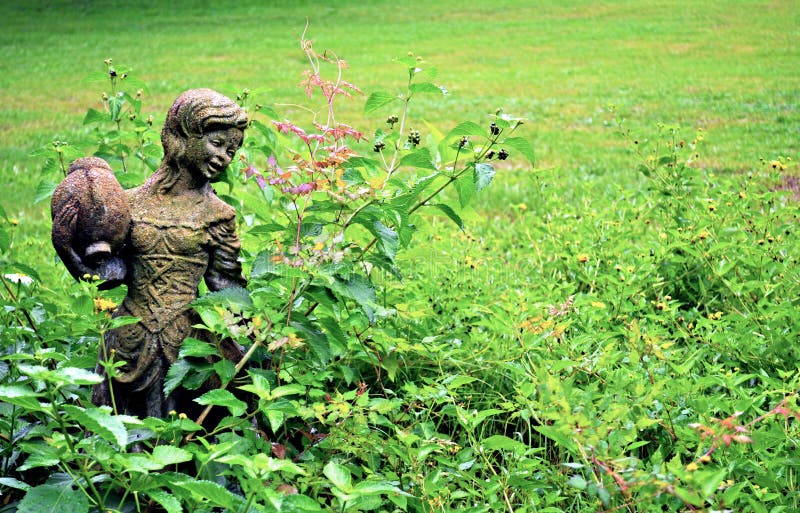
<point x="224" y="269"/>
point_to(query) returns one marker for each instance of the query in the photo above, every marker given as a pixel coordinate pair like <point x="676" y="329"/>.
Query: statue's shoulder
<point x="217" y="210"/>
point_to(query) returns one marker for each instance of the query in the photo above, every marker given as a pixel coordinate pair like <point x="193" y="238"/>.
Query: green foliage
<point x="642" y="358"/>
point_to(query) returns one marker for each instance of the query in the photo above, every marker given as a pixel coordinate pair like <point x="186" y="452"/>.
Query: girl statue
<point x="180" y="233"/>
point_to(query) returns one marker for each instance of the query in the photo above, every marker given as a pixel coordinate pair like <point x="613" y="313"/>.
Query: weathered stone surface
<point x="91" y="219"/>
<point x="179" y="233"/>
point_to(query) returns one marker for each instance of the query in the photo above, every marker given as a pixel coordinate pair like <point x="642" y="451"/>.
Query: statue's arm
<point x="65" y="215"/>
<point x="224" y="269"/>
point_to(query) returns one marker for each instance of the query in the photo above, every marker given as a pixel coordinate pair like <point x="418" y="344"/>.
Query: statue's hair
<point x="195" y="112"/>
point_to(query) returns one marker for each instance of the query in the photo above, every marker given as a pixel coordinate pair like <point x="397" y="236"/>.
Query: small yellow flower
<point x="583" y="258"/>
<point x="522" y="206"/>
<point x="103" y="305"/>
<point x="182" y="416"/>
<point x="705" y="458"/>
<point x="319" y="246"/>
<point x="598" y="304"/>
<point x="691" y="467"/>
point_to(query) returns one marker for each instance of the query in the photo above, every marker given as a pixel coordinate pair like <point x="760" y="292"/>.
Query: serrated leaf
<point x="420" y="158"/>
<point x="10" y="392"/>
<point x="223" y="398"/>
<point x="339" y="475"/>
<point x="227" y="297"/>
<point x="101" y="422"/>
<point x="449" y="212"/>
<point x="484" y="173"/>
<point x="523" y="146"/>
<point x="123" y="320"/>
<point x="211" y="492"/>
<point x="263" y="264"/>
<point x="360" y="289"/>
<point x="504" y="443"/>
<point x="170" y="455"/>
<point x="293" y="389"/>
<point x="465" y="187"/>
<point x="197" y="348"/>
<point x="388" y="241"/>
<point x="44" y="190"/>
<point x="427" y="87"/>
<point x="53" y="498"/>
<point x="225" y="369"/>
<point x="77" y="376"/>
<point x="467" y="128"/>
<point x="94" y="116"/>
<point x="168" y="501"/>
<point x="377" y="100"/>
<point x="14" y="483"/>
<point x="175" y="375"/>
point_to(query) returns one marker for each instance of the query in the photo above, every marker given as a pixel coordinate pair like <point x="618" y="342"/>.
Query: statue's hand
<point x="111" y="270"/>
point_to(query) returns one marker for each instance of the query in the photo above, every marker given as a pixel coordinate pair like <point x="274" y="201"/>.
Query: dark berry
<point x="463" y="142"/>
<point x="379" y="146"/>
<point x="502" y="155"/>
<point x="494" y="129"/>
<point x="112" y="72"/>
<point x="490" y="155"/>
<point x="414" y="137"/>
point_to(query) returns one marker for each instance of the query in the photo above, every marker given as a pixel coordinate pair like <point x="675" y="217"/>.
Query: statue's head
<point x="201" y="129"/>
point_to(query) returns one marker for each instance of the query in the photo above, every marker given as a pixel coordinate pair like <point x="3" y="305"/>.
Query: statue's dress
<point x="175" y="241"/>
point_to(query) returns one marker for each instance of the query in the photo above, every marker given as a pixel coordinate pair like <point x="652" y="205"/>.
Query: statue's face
<point x="209" y="155"/>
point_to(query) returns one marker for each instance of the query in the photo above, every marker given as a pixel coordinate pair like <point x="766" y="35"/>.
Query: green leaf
<point x="388" y="241"/>
<point x="225" y="369"/>
<point x="77" y="376"/>
<point x="577" y="481"/>
<point x="523" y="146"/>
<point x="101" y="422"/>
<point x="465" y="186"/>
<point x="170" y="455"/>
<point x="264" y="265"/>
<point x="197" y="348"/>
<point x="44" y="190"/>
<point x="484" y="173"/>
<point x="449" y="212"/>
<point x="504" y="443"/>
<point x="53" y="498"/>
<point x="710" y="480"/>
<point x="14" y="483"/>
<point x="175" y="375"/>
<point x="467" y="128"/>
<point x="360" y="289"/>
<point x="223" y="398"/>
<point x="214" y="494"/>
<point x="94" y="116"/>
<point x="420" y="158"/>
<point x="227" y="297"/>
<point x="297" y="503"/>
<point x="123" y="320"/>
<point x="427" y="87"/>
<point x="166" y="500"/>
<point x="19" y="395"/>
<point x="377" y="100"/>
<point x="339" y="476"/>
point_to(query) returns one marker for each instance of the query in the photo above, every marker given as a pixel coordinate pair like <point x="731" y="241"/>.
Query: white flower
<point x="19" y="278"/>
